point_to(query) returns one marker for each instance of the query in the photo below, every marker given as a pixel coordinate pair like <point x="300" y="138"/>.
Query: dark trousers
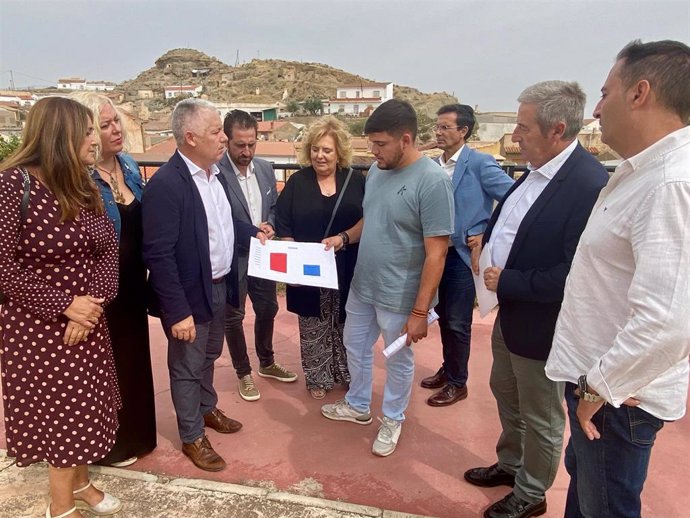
<point x="190" y="365"/>
<point x="607" y="474"/>
<point x="455" y="304"/>
<point x="262" y="293"/>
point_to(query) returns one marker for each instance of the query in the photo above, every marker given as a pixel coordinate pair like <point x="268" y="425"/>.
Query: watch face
<point x="582" y="384"/>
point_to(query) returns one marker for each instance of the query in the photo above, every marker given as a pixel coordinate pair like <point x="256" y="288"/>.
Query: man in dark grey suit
<point x="253" y="195"/>
<point x="531" y="239"/>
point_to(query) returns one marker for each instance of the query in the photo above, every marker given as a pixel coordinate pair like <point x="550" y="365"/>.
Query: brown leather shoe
<point x="448" y="395"/>
<point x="436" y="381"/>
<point x="221" y="423"/>
<point x="203" y="455"/>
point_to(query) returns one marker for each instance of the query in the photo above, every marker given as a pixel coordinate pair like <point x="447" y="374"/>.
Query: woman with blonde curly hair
<point x="119" y="182"/>
<point x="323" y="203"/>
<point x="58" y="268"/>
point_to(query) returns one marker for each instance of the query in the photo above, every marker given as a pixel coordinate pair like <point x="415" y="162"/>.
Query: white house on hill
<point x="358" y="99"/>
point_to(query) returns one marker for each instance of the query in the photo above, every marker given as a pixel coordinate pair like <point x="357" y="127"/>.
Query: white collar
<point x="453" y="159"/>
<point x="250" y="168"/>
<point x="195" y="169"/>
<point x="550" y="168"/>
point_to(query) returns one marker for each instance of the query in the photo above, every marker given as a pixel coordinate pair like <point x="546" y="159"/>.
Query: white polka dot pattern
<point x="60" y="402"/>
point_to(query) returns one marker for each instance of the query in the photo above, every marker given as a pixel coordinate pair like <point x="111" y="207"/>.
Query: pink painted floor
<point x="286" y="441"/>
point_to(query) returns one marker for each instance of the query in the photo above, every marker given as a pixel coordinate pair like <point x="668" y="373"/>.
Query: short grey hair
<point x="557" y="101"/>
<point x="185" y="114"/>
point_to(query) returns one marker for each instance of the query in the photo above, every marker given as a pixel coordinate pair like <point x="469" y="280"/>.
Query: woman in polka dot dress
<point x="58" y="267"/>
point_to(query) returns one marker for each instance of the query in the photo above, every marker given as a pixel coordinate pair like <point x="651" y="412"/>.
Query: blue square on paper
<point x="312" y="269"/>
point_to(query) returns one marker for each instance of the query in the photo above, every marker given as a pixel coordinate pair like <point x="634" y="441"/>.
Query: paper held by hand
<point x="400" y="342"/>
<point x="486" y="300"/>
<point x="306" y="264"/>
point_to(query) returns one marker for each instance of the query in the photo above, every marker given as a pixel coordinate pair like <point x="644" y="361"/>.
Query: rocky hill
<point x="259" y="81"/>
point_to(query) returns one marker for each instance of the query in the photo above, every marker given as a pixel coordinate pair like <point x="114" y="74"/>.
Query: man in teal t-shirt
<point x="408" y="216"/>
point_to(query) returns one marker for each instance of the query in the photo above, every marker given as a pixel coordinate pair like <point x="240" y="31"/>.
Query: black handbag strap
<point x="27" y="192"/>
<point x="23" y="207"/>
<point x="337" y="203"/>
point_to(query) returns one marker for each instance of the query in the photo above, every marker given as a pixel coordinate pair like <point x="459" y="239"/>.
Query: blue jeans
<point x="363" y="325"/>
<point x="190" y="365"/>
<point x="455" y="304"/>
<point x="607" y="474"/>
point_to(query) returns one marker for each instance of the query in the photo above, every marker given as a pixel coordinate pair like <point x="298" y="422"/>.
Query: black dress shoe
<point x="489" y="477"/>
<point x="513" y="507"/>
<point x="436" y="381"/>
<point x="448" y="395"/>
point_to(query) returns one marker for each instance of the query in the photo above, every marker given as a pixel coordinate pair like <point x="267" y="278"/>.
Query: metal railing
<point x="510" y="170"/>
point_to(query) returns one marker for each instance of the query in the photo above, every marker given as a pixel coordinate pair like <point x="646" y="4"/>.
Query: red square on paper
<point x="279" y="262"/>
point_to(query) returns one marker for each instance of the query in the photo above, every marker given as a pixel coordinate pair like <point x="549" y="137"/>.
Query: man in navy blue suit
<point x="478" y="181"/>
<point x="531" y="239"/>
<point x="189" y="242"/>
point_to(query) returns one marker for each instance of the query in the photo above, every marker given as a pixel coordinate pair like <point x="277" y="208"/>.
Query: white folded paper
<point x="486" y="300"/>
<point x="399" y="342"/>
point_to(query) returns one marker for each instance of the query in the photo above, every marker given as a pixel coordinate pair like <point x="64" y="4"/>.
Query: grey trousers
<point x="190" y="365"/>
<point x="262" y="293"/>
<point x="530" y="407"/>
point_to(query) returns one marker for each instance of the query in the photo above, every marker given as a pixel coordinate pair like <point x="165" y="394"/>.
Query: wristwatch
<point x="346" y="239"/>
<point x="587" y="396"/>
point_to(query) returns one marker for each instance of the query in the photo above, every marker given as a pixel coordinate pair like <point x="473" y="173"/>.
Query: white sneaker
<point x="387" y="438"/>
<point x="342" y="411"/>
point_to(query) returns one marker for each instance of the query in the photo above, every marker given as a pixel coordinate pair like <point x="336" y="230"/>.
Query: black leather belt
<point x="218" y="280"/>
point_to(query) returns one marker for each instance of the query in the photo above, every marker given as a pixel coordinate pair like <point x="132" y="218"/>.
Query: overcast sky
<point x="484" y="52"/>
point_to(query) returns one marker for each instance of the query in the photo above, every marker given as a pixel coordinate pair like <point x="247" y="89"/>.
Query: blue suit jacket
<point x="530" y="288"/>
<point x="477" y="181"/>
<point x="176" y="249"/>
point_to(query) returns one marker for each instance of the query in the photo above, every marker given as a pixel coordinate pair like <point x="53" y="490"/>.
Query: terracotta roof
<point x="273" y="148"/>
<point x="513" y="149"/>
<point x="160" y="152"/>
<point x="364" y="85"/>
<point x="165" y="149"/>
<point x="270" y="125"/>
<point x="360" y="143"/>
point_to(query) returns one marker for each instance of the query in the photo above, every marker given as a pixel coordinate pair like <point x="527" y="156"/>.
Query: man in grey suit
<point x="253" y="195"/>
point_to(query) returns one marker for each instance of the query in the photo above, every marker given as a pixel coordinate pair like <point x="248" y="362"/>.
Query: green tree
<point x="293" y="106"/>
<point x="8" y="145"/>
<point x="356" y="127"/>
<point x="313" y="105"/>
<point x="424" y="127"/>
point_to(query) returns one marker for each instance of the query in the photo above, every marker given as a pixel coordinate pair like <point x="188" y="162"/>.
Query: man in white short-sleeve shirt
<point x="408" y="216"/>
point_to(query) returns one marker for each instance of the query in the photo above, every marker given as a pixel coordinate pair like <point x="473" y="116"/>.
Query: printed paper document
<point x="307" y="264"/>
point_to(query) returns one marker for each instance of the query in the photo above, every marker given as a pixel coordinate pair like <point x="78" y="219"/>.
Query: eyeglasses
<point x="443" y="127"/>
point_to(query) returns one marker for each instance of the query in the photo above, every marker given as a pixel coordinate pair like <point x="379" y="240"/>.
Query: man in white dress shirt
<point x="188" y="245"/>
<point x="623" y="335"/>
